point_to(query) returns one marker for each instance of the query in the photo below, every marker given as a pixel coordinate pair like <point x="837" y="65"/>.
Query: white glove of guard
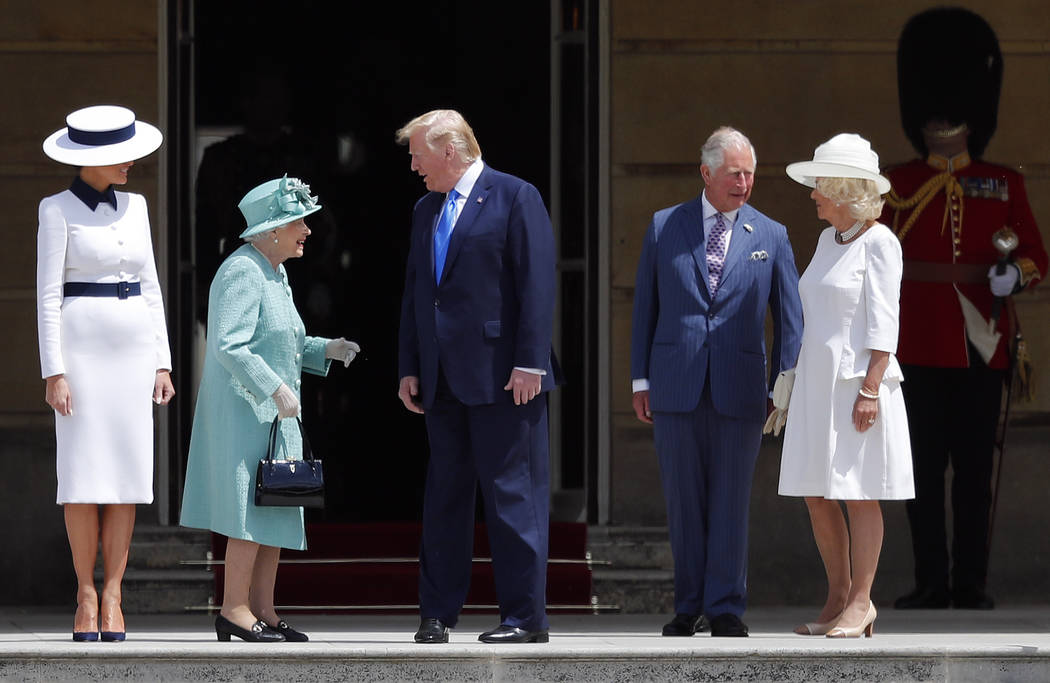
<point x="287" y="402"/>
<point x="341" y="349"/>
<point x="1003" y="285"/>
<point x="781" y="398"/>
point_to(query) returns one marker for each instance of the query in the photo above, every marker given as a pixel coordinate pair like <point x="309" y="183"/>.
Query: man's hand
<point x="58" y="395"/>
<point x="640" y="401"/>
<point x="408" y="392"/>
<point x="163" y="390"/>
<point x="525" y="385"/>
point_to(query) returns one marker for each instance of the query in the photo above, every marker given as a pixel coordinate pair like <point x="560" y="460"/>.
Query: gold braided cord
<point x="922" y="197"/>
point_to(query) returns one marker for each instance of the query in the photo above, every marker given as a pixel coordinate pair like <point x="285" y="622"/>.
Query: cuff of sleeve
<point x="533" y="371"/>
<point x="639" y="385"/>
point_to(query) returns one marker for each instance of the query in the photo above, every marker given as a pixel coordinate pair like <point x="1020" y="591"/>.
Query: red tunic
<point x="932" y="329"/>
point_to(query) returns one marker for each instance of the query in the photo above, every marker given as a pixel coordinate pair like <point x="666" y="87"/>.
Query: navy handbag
<point x="289" y="483"/>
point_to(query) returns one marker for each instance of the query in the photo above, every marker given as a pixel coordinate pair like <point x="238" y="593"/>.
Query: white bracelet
<point x="867" y="394"/>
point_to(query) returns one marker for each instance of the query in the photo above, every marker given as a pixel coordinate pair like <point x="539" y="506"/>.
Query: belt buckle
<point x="122" y="290"/>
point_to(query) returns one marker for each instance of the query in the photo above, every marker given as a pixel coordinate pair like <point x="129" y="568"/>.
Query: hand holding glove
<point x="341" y="349"/>
<point x="1003" y="285"/>
<point x="287" y="402"/>
<point x="781" y="398"/>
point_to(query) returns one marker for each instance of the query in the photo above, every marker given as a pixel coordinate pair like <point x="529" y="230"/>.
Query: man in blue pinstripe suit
<point x="710" y="268"/>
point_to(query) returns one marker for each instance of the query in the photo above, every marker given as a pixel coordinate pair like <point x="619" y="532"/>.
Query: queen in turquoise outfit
<point x="257" y="350"/>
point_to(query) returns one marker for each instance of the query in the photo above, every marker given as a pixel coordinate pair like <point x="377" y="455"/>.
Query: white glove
<point x="781" y="398"/>
<point x="341" y="349"/>
<point x="1003" y="285"/>
<point x="287" y="402"/>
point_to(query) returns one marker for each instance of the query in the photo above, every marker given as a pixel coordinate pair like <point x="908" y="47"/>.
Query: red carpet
<point x="391" y="579"/>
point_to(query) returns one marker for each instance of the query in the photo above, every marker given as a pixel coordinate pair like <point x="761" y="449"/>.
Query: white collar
<point x="466" y="182"/>
<point x="710" y="210"/>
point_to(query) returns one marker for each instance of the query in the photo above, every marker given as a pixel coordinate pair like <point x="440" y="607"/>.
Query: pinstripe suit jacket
<point x="681" y="337"/>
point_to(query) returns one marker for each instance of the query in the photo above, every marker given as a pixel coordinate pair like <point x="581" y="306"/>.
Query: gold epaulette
<point x="922" y="197"/>
<point x="1029" y="271"/>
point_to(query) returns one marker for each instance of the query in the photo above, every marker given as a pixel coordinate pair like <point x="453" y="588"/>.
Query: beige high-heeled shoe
<point x="866" y="626"/>
<point x="817" y="628"/>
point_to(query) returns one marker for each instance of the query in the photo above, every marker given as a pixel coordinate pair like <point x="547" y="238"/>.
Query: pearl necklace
<point x="843" y="237"/>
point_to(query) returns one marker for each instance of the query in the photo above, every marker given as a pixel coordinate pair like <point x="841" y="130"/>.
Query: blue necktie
<point x="443" y="233"/>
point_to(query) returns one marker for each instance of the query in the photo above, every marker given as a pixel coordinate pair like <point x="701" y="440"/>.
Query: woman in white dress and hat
<point x="103" y="349"/>
<point x="846" y="438"/>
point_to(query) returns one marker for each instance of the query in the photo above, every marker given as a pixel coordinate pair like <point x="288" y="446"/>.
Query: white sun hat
<point x="847" y="155"/>
<point x="102" y="135"/>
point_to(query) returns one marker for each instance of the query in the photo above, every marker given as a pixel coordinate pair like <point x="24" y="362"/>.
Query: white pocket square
<point x="758" y="256"/>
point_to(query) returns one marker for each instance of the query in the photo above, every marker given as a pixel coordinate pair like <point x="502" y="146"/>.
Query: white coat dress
<point x="109" y="349"/>
<point x="851" y="306"/>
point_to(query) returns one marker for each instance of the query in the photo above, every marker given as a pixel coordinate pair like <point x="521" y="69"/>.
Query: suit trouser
<point x="707" y="463"/>
<point x="503" y="447"/>
<point x="953" y="414"/>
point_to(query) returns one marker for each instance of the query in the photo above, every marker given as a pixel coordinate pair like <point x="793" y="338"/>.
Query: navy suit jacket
<point x="682" y="338"/>
<point x="494" y="308"/>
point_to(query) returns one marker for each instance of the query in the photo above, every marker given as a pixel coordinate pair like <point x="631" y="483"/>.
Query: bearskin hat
<point x="949" y="67"/>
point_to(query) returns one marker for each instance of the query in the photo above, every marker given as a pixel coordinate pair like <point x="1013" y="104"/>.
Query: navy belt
<point x="121" y="290"/>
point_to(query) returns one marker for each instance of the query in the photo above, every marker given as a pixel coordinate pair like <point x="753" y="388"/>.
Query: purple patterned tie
<point x="716" y="253"/>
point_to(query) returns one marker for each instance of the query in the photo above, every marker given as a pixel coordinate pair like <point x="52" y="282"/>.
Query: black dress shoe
<point x="972" y="598"/>
<point x="685" y="625"/>
<point x="512" y="634"/>
<point x="728" y="625"/>
<point x="432" y="631"/>
<point x="258" y="633"/>
<point x="289" y="633"/>
<point x="923" y="598"/>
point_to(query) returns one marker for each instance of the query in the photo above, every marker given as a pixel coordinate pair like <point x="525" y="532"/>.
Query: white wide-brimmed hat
<point x="847" y="155"/>
<point x="102" y="135"/>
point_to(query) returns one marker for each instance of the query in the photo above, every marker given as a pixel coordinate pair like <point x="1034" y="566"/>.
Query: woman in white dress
<point x="103" y="349"/>
<point x="847" y="432"/>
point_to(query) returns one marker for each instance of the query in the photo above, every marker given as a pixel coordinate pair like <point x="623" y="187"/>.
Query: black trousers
<point x="953" y="414"/>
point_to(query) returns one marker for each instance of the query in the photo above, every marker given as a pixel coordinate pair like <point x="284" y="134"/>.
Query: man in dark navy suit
<point x="710" y="268"/>
<point x="475" y="359"/>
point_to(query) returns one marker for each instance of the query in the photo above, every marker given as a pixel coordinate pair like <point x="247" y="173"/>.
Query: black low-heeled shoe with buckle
<point x="289" y="633"/>
<point x="258" y="633"/>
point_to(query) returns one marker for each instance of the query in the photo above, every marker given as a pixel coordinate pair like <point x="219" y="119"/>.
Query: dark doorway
<point x="333" y="81"/>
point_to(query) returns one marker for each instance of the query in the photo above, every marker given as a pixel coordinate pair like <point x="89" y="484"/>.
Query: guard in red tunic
<point x="945" y="208"/>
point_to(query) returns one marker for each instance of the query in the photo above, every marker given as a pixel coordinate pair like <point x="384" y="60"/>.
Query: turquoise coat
<point x="256" y="342"/>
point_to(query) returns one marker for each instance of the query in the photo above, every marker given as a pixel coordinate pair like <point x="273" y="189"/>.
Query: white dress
<point x="851" y="305"/>
<point x="109" y="349"/>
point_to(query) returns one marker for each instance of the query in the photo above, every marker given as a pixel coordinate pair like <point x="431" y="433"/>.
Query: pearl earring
<point x="275" y="240"/>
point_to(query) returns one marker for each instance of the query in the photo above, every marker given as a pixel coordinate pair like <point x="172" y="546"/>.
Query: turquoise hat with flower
<point x="275" y="203"/>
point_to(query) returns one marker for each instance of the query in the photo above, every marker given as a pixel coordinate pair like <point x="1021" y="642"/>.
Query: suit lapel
<point x="739" y="244"/>
<point x="465" y="222"/>
<point x="693" y="224"/>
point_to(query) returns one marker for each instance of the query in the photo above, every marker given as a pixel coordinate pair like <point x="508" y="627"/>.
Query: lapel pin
<point x="748" y="227"/>
<point x="480" y="200"/>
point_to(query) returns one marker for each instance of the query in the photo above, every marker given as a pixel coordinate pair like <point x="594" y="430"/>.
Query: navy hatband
<point x="101" y="137"/>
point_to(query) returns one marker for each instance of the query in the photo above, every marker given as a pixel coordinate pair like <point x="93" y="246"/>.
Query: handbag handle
<point x="308" y="453"/>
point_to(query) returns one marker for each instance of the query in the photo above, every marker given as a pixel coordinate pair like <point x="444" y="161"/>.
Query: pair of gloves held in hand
<point x="336" y="349"/>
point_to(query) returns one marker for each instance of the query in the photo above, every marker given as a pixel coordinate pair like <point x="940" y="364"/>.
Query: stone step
<point x="166" y="591"/>
<point x="631" y="547"/>
<point x="639" y="578"/>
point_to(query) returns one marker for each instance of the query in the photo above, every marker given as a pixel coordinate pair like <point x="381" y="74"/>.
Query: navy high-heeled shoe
<point x="113" y="636"/>
<point x="85" y="636"/>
